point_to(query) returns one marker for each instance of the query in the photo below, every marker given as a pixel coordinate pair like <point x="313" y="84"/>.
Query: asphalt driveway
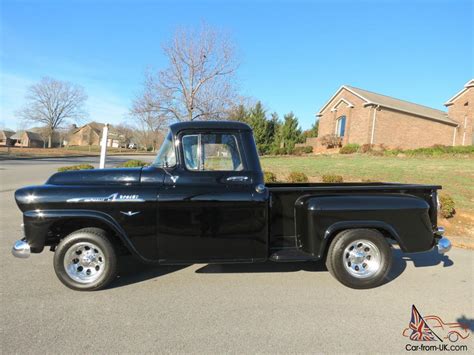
<point x="265" y="308"/>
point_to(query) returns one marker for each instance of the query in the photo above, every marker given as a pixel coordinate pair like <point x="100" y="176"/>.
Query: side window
<point x="212" y="152"/>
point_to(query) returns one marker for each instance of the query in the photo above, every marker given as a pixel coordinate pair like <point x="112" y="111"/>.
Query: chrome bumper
<point x="21" y="249"/>
<point x="443" y="244"/>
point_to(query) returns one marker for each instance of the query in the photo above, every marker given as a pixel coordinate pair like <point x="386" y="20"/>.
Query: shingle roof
<point x="7" y="133"/>
<point x="96" y="126"/>
<point x="401" y="105"/>
<point x="372" y="98"/>
<point x="31" y="135"/>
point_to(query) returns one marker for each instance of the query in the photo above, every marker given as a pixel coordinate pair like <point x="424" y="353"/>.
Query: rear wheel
<point x="359" y="258"/>
<point x="86" y="260"/>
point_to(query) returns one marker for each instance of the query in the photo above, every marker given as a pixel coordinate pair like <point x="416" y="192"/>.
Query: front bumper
<point x="21" y="249"/>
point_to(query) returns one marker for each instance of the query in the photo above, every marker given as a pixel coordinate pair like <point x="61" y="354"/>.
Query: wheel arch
<point x="53" y="225"/>
<point x="388" y="231"/>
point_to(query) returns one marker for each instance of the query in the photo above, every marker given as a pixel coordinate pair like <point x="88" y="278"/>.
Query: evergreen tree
<point x="289" y="133"/>
<point x="313" y="131"/>
<point x="257" y="119"/>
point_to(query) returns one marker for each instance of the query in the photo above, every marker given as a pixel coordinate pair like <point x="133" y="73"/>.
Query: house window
<point x="341" y="126"/>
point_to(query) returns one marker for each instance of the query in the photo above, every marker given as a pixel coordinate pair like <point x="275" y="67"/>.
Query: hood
<point x="96" y="177"/>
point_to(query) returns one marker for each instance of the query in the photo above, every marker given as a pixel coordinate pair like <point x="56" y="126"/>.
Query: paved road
<point x="267" y="308"/>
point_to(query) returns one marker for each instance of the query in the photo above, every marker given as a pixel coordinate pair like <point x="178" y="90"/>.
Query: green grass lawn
<point x="455" y="174"/>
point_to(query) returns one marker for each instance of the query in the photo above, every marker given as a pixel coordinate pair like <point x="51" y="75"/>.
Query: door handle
<point x="237" y="179"/>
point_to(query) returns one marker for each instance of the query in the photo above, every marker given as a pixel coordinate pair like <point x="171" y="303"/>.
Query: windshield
<point x="166" y="155"/>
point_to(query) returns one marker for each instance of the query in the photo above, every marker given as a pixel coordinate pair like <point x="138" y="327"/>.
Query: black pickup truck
<point x="204" y="200"/>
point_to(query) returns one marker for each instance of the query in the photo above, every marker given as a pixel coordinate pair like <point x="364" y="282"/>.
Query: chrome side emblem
<point x="129" y="213"/>
<point x="116" y="197"/>
<point x="174" y="178"/>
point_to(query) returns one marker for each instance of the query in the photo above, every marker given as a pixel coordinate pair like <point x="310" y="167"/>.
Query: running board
<point x="290" y="255"/>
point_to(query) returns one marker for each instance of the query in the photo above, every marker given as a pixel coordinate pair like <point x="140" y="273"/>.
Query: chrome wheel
<point x="362" y="258"/>
<point x="84" y="262"/>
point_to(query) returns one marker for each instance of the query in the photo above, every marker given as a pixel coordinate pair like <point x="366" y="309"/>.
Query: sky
<point x="293" y="55"/>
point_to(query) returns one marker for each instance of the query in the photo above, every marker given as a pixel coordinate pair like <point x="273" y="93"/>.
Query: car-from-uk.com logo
<point x="440" y="335"/>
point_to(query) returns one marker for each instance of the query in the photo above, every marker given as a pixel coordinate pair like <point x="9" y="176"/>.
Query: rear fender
<point x="405" y="218"/>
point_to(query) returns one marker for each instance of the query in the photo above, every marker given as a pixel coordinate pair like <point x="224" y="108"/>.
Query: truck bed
<point x="283" y="197"/>
<point x="349" y="186"/>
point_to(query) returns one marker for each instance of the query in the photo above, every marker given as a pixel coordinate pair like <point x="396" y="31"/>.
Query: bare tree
<point x="125" y="133"/>
<point x="149" y="129"/>
<point x="52" y="103"/>
<point x="198" y="82"/>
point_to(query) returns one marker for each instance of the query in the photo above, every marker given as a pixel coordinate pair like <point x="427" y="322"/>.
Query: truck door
<point x="209" y="210"/>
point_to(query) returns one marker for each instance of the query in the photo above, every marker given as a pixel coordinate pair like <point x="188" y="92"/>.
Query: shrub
<point x="269" y="177"/>
<point x="331" y="178"/>
<point x="434" y="151"/>
<point x="447" y="209"/>
<point x="133" y="164"/>
<point x="76" y="167"/>
<point x="365" y="148"/>
<point x="302" y="150"/>
<point x="349" y="149"/>
<point x="279" y="151"/>
<point x="296" y="176"/>
<point x="331" y="141"/>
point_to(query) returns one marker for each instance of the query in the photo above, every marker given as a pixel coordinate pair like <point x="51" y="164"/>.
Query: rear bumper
<point x="21" y="249"/>
<point x="442" y="243"/>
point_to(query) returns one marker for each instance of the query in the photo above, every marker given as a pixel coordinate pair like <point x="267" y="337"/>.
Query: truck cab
<point x="204" y="200"/>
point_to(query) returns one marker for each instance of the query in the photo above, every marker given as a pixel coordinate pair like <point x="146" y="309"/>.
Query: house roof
<point x="96" y="126"/>
<point x="31" y="135"/>
<point x="7" y="133"/>
<point x="468" y="85"/>
<point x="372" y="98"/>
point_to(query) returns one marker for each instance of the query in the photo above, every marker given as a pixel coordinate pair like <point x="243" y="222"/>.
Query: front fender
<point x="37" y="224"/>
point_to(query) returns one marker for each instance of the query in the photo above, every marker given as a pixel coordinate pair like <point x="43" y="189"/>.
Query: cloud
<point x="102" y="105"/>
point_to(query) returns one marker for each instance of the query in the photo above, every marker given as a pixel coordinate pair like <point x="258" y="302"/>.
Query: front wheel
<point x="86" y="260"/>
<point x="359" y="258"/>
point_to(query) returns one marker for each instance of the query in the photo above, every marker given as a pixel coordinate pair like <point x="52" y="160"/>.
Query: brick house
<point x="364" y="117"/>
<point x="5" y="138"/>
<point x="461" y="109"/>
<point x="91" y="133"/>
<point x="28" y="139"/>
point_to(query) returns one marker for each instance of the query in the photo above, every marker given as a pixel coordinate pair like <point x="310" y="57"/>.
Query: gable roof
<point x="31" y="136"/>
<point x="7" y="133"/>
<point x="468" y="85"/>
<point x="372" y="98"/>
<point x="95" y="126"/>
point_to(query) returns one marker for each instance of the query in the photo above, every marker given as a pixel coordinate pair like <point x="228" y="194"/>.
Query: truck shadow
<point x="132" y="271"/>
<point x="425" y="259"/>
<point x="268" y="266"/>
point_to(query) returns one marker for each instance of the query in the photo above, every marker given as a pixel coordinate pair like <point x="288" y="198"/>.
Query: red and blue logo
<point x="423" y="328"/>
